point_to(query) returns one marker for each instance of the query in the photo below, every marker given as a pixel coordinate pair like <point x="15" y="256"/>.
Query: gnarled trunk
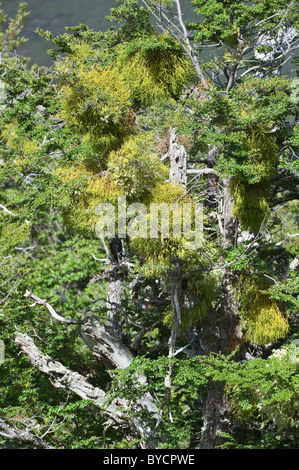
<point x="115" y="285"/>
<point x="217" y="417"/>
<point x="221" y="333"/>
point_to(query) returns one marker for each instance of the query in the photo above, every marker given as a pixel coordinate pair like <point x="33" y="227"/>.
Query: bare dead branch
<point x="24" y="436"/>
<point x="61" y="377"/>
<point x="38" y="301"/>
<point x="179" y="32"/>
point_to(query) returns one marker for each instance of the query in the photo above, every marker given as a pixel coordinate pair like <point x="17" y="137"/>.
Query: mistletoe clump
<point x="250" y="204"/>
<point x="265" y="323"/>
<point x="136" y="169"/>
<point x="95" y="104"/>
<point x="153" y="69"/>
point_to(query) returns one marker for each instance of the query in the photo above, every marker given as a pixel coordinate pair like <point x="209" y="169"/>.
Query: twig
<point x="55" y="315"/>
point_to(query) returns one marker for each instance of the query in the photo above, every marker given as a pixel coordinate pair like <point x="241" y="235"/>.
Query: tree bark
<point x="217" y="417"/>
<point x="115" y="285"/>
<point x="221" y="333"/>
<point x="229" y="222"/>
<point x="21" y="438"/>
<point x="178" y="176"/>
<point x="104" y="343"/>
<point x="110" y="350"/>
<point x="178" y="160"/>
<point x="221" y="329"/>
<point x="61" y="377"/>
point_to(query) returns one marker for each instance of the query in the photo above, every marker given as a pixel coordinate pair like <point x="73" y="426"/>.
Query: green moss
<point x="262" y="152"/>
<point x="82" y="192"/>
<point x="265" y="323"/>
<point x="250" y="192"/>
<point x="162" y="248"/>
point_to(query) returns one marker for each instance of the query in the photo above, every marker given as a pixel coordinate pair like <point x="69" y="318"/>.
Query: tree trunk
<point x="229" y="222"/>
<point x="115" y="287"/>
<point x="108" y="348"/>
<point x="178" y="160"/>
<point x="21" y="438"/>
<point x="221" y="330"/>
<point x="178" y="176"/>
<point x="113" y="353"/>
<point x="217" y="417"/>
<point x="221" y="333"/>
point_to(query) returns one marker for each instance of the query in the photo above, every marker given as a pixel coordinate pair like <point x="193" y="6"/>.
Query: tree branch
<point x="24" y="436"/>
<point x="179" y="34"/>
<point x="38" y="301"/>
<point x="61" y="377"/>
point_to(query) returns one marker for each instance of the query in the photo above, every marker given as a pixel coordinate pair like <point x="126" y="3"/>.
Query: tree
<point x="169" y="344"/>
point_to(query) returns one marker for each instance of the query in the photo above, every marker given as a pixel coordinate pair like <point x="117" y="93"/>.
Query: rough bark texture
<point x="217" y="417"/>
<point x="21" y="438"/>
<point x="106" y="345"/>
<point x="178" y="160"/>
<point x="108" y="348"/>
<point x="221" y="333"/>
<point x="114" y="287"/>
<point x="113" y="353"/>
<point x="212" y="178"/>
<point x="229" y="222"/>
<point x="221" y="329"/>
<point x="61" y="377"/>
<point x="177" y="175"/>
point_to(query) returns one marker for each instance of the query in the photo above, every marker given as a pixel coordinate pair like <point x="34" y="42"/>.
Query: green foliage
<point x="133" y="20"/>
<point x="83" y="191"/>
<point x="286" y="293"/>
<point x="154" y="69"/>
<point x="250" y="204"/>
<point x="188" y="378"/>
<point x="247" y="125"/>
<point x="77" y="36"/>
<point x="95" y="103"/>
<point x="136" y="168"/>
<point x="262" y="152"/>
<point x="264" y="321"/>
<point x="95" y="127"/>
<point x="223" y="19"/>
<point x="10" y="39"/>
<point x="166" y="245"/>
<point x="264" y="392"/>
<point x="235" y="28"/>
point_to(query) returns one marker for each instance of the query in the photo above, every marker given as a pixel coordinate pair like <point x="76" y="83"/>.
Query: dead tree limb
<point x="114" y="354"/>
<point x="178" y="30"/>
<point x="38" y="301"/>
<point x="61" y="377"/>
<point x="106" y="346"/>
<point x="21" y="437"/>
